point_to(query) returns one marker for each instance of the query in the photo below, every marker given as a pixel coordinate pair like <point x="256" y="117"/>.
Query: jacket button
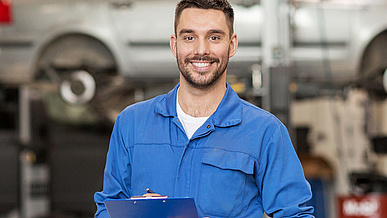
<point x="208" y="126"/>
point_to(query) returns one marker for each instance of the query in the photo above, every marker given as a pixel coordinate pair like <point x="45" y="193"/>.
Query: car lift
<point x="273" y="82"/>
<point x="34" y="171"/>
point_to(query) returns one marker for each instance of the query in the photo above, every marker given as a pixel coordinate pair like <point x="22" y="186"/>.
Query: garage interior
<point x="53" y="145"/>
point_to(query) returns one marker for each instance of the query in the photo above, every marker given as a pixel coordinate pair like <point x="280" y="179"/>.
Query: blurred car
<point x="87" y="44"/>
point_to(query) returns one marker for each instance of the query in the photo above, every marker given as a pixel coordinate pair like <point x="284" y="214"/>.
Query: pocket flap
<point x="232" y="160"/>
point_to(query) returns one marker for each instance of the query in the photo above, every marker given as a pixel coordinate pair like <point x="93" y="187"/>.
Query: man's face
<point x="202" y="46"/>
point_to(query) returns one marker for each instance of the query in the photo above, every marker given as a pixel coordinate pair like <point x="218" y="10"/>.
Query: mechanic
<point x="201" y="140"/>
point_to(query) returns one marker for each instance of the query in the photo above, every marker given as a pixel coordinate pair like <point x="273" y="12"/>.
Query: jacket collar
<point x="228" y="113"/>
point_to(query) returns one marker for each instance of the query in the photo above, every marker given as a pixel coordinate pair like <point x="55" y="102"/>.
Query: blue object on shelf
<point x="319" y="199"/>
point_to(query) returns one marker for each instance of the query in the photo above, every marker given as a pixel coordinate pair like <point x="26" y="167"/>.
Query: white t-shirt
<point x="190" y="124"/>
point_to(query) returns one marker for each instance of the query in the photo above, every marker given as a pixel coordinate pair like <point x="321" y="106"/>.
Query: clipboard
<point x="152" y="207"/>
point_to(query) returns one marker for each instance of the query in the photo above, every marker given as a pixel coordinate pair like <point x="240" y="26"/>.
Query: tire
<point x="85" y="73"/>
<point x="374" y="66"/>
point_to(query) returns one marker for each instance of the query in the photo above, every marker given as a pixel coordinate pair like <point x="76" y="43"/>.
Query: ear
<point x="233" y="45"/>
<point x="172" y="44"/>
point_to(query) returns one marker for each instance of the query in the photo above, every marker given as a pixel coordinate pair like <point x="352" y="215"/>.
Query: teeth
<point x="201" y="64"/>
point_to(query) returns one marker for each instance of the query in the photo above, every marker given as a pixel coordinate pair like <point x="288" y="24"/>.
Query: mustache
<point x="201" y="58"/>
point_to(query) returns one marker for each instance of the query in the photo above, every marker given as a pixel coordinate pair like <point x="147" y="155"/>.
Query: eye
<point x="214" y="38"/>
<point x="189" y="38"/>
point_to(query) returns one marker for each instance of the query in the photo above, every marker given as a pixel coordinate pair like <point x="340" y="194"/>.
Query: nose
<point x="202" y="47"/>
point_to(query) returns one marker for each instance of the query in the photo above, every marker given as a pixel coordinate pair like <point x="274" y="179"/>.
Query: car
<point x="86" y="45"/>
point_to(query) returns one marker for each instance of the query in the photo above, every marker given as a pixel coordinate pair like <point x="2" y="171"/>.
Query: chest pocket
<point x="224" y="181"/>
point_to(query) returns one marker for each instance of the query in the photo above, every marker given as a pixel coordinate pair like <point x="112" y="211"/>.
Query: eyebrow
<point x="185" y="31"/>
<point x="218" y="31"/>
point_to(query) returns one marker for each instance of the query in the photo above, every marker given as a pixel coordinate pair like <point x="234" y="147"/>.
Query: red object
<point x="365" y="206"/>
<point x="5" y="11"/>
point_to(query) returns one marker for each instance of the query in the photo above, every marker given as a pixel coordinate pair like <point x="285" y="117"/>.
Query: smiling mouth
<point x="201" y="64"/>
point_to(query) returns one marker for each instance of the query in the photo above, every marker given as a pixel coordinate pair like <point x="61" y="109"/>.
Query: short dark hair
<point x="222" y="5"/>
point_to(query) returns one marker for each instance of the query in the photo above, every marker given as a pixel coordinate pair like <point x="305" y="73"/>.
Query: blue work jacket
<point x="239" y="163"/>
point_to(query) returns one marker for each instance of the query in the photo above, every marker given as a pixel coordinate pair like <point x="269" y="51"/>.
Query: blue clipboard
<point x="150" y="208"/>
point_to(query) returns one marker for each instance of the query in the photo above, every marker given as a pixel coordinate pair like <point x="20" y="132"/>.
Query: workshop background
<point x="68" y="67"/>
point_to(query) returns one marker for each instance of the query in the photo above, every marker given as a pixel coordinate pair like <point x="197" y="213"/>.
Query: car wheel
<point x="385" y="80"/>
<point x="374" y="66"/>
<point x="79" y="88"/>
<point x="85" y="73"/>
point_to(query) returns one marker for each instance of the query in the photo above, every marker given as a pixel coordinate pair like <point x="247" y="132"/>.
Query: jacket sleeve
<point x="281" y="180"/>
<point x="117" y="174"/>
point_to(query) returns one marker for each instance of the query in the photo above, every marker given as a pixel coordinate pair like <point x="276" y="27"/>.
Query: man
<point x="201" y="140"/>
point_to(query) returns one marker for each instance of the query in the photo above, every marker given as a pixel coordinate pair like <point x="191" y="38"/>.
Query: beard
<point x="205" y="79"/>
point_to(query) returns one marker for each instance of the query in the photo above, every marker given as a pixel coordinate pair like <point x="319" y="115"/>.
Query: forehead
<point x="202" y="19"/>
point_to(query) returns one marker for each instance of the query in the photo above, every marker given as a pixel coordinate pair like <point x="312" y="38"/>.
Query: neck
<point x="200" y="103"/>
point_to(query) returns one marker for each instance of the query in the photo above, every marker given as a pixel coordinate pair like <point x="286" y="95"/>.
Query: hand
<point x="151" y="195"/>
